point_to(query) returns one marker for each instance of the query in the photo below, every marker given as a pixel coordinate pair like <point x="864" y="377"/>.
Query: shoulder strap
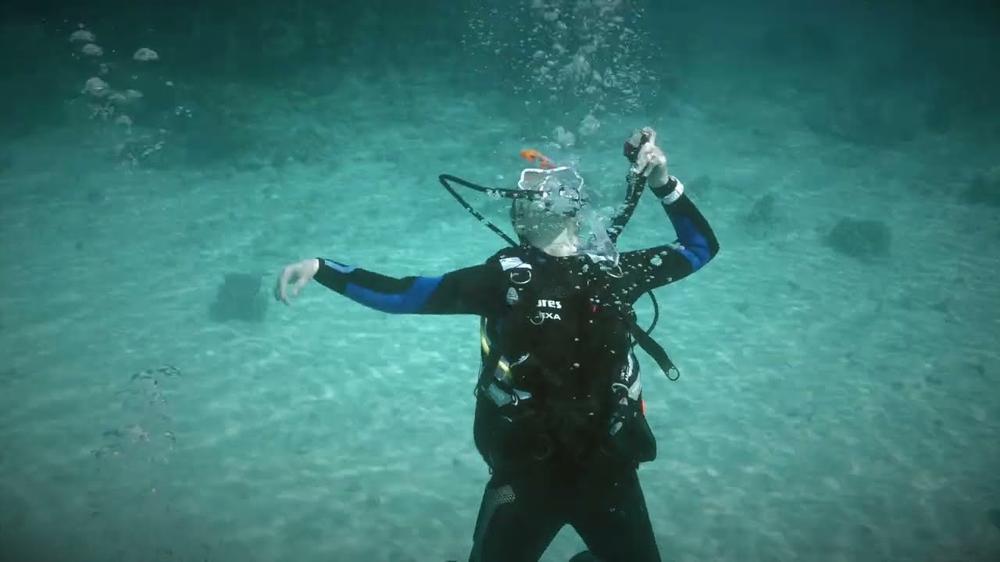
<point x="650" y="346"/>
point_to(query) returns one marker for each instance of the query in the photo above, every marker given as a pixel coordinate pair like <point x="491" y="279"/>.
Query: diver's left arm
<point x="697" y="244"/>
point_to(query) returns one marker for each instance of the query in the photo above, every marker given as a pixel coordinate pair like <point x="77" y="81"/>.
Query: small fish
<point x="534" y="156"/>
<point x="165" y="371"/>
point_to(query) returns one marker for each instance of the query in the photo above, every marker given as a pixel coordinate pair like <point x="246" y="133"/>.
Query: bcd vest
<point x="558" y="374"/>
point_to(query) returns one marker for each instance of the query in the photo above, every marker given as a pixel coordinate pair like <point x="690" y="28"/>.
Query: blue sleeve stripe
<point x="695" y="257"/>
<point x="412" y="300"/>
<point x="695" y="246"/>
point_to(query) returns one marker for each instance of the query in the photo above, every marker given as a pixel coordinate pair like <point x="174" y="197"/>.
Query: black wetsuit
<point x="597" y="492"/>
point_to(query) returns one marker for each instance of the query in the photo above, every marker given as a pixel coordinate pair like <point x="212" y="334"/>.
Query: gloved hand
<point x="298" y="275"/>
<point x="651" y="161"/>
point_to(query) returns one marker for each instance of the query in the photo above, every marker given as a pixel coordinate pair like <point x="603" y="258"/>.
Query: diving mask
<point x="560" y="189"/>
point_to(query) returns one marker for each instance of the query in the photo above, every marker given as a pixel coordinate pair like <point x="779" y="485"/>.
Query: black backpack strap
<point x="649" y="345"/>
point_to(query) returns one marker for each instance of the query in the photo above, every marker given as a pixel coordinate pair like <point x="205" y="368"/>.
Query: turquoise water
<point x="838" y="400"/>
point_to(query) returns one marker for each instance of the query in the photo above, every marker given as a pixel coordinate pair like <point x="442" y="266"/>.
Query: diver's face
<point x="542" y="228"/>
<point x="548" y="222"/>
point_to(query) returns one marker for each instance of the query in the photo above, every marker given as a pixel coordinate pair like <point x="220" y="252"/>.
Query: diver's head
<point x="550" y="211"/>
<point x="554" y="234"/>
<point x="547" y="219"/>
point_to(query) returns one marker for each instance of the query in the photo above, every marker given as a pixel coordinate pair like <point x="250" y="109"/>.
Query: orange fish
<point x="542" y="161"/>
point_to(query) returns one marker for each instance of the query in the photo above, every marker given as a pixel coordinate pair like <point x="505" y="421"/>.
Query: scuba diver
<point x="560" y="418"/>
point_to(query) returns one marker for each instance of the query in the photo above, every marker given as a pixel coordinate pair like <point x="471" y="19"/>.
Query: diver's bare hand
<point x="293" y="277"/>
<point x="651" y="161"/>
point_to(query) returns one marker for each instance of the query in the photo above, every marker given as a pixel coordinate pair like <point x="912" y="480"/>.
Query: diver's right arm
<point x="649" y="167"/>
<point x="464" y="291"/>
<point x="635" y="183"/>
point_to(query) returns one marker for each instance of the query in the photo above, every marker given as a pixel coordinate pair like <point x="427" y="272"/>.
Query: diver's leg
<point x="517" y="520"/>
<point x="612" y="520"/>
